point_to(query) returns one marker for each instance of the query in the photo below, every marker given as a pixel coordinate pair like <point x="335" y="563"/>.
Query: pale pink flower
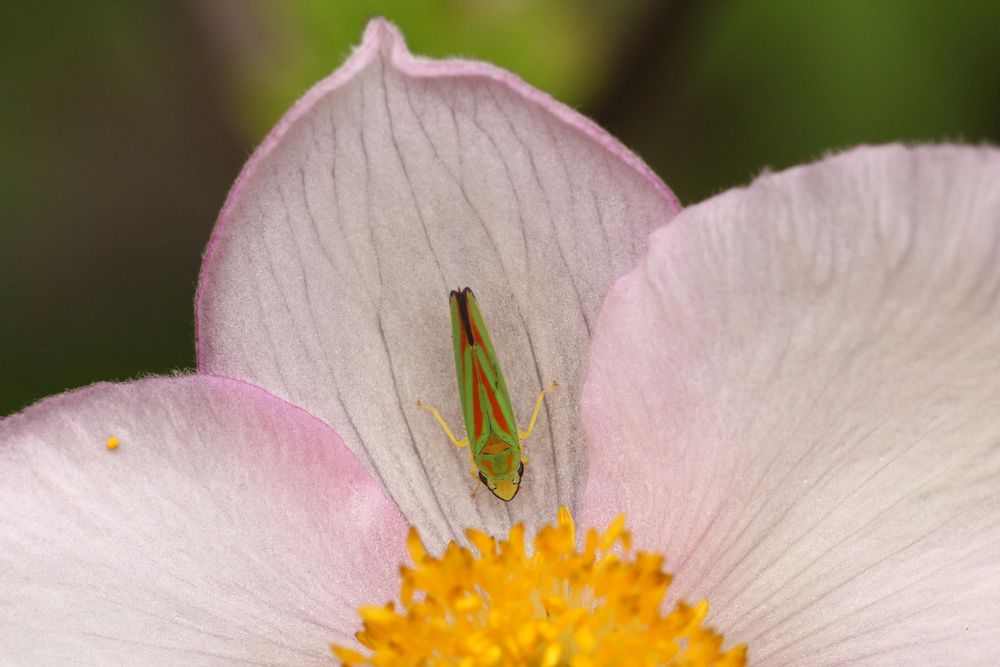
<point x="793" y="396"/>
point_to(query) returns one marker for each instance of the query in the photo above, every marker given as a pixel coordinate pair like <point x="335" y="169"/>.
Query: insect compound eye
<point x="520" y="469"/>
<point x="482" y="478"/>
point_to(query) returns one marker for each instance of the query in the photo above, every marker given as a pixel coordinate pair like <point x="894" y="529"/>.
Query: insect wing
<point x="491" y="380"/>
<point x="464" y="367"/>
<point x="482" y="389"/>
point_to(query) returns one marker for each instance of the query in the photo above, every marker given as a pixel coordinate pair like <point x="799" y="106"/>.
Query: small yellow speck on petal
<point x="112" y="443"/>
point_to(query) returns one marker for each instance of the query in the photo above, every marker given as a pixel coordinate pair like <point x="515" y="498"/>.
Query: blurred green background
<point x="124" y="122"/>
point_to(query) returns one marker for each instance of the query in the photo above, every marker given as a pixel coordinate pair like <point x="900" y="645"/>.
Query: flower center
<point x="558" y="606"/>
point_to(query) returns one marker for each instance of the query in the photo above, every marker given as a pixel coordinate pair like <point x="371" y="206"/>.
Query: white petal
<point x="796" y="399"/>
<point x="389" y="184"/>
<point x="228" y="527"/>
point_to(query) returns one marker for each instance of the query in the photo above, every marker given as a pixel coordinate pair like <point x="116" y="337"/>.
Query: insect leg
<point x="444" y="425"/>
<point x="524" y="435"/>
<point x="474" y="471"/>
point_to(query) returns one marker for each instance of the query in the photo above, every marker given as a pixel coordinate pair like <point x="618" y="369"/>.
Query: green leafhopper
<point x="491" y="430"/>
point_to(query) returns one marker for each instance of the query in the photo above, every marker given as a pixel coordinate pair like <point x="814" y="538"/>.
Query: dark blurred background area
<point x="123" y="124"/>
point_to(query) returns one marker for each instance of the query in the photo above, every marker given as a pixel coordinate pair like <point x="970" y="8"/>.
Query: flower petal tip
<point x="389" y="182"/>
<point x="383" y="35"/>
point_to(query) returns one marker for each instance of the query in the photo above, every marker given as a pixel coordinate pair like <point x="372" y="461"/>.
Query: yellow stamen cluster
<point x="558" y="606"/>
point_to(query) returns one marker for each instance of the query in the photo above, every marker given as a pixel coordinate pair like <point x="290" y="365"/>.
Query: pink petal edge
<point x="227" y="526"/>
<point x="377" y="31"/>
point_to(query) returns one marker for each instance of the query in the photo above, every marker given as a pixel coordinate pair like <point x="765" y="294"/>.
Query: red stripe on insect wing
<point x="498" y="418"/>
<point x="476" y="336"/>
<point x="477" y="406"/>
